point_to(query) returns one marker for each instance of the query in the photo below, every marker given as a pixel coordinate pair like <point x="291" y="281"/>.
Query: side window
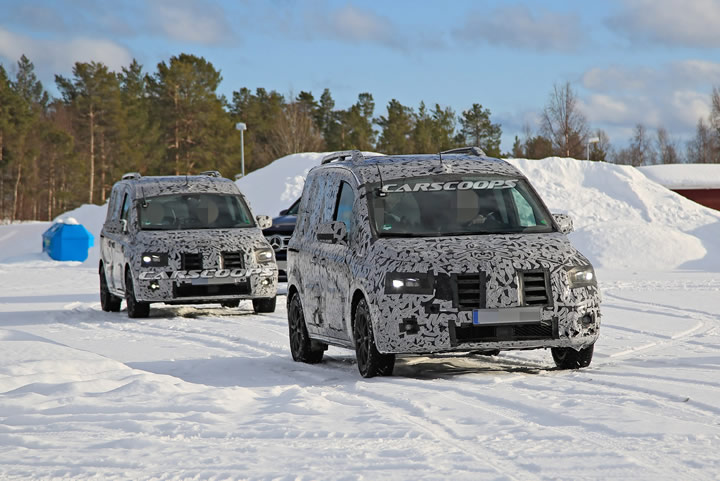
<point x="525" y="213"/>
<point x="343" y="208"/>
<point x="125" y="211"/>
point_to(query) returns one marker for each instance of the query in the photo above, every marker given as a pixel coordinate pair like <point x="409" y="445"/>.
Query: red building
<point x="697" y="182"/>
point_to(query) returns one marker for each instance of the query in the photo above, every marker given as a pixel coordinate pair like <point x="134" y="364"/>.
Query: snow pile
<point x="276" y="186"/>
<point x="684" y="176"/>
<point x="623" y="220"/>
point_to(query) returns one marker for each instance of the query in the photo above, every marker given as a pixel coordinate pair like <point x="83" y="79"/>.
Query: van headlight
<point x="264" y="255"/>
<point x="409" y="283"/>
<point x="581" y="276"/>
<point x="154" y="259"/>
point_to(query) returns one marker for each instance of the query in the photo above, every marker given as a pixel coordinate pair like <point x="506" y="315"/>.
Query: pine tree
<point x="397" y="128"/>
<point x="94" y="96"/>
<point x="261" y="112"/>
<point x="190" y="113"/>
<point x="140" y="147"/>
<point x="478" y="130"/>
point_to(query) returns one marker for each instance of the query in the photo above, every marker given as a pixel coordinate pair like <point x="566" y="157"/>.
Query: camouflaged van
<point x="183" y="240"/>
<point x="420" y="254"/>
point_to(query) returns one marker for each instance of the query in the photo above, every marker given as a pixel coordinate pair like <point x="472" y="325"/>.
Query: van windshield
<point x="193" y="211"/>
<point x="446" y="205"/>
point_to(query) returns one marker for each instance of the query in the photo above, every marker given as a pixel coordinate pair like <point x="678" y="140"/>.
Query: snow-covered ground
<point x="212" y="393"/>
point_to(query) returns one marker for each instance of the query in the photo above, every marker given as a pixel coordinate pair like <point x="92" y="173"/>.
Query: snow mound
<point x="276" y="186"/>
<point x="623" y="220"/>
<point x="684" y="176"/>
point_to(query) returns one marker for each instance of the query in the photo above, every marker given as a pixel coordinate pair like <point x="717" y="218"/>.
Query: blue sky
<point x="631" y="61"/>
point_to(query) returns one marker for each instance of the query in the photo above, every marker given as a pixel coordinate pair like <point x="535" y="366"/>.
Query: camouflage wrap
<point x="211" y="249"/>
<point x="572" y="316"/>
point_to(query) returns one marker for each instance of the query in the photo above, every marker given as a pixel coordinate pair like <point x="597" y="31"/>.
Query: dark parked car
<point x="279" y="235"/>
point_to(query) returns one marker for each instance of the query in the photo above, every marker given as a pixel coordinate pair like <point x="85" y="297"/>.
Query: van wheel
<point x="370" y="361"/>
<point x="569" y="358"/>
<point x="108" y="302"/>
<point x="300" y="343"/>
<point x="264" y="305"/>
<point x="135" y="309"/>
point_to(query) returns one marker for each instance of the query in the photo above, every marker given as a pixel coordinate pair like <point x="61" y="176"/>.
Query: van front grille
<point x="232" y="260"/>
<point x="516" y="332"/>
<point x="534" y="288"/>
<point x="470" y="291"/>
<point x="192" y="261"/>
<point x="211" y="290"/>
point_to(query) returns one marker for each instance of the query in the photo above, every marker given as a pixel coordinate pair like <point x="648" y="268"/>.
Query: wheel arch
<point x="356" y="297"/>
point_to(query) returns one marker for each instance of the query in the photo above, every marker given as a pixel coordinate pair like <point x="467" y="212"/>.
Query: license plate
<point x="510" y="315"/>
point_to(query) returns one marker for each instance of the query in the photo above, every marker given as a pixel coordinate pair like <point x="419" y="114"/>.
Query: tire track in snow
<point x="521" y="415"/>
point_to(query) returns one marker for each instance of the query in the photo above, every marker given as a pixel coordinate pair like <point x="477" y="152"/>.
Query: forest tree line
<point x="59" y="153"/>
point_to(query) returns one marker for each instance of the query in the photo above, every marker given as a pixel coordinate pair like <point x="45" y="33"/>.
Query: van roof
<point x="415" y="165"/>
<point x="151" y="186"/>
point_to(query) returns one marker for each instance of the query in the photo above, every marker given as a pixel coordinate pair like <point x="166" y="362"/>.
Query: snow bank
<point x="623" y="220"/>
<point x="276" y="186"/>
<point x="684" y="176"/>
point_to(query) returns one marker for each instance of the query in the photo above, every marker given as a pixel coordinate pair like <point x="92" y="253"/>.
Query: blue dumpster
<point x="67" y="241"/>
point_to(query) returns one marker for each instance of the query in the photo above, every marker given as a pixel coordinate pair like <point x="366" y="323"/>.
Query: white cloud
<point x="616" y="78"/>
<point x="195" y="22"/>
<point x="696" y="72"/>
<point x="689" y="23"/>
<point x="518" y="27"/>
<point x="355" y="25"/>
<point x="690" y="106"/>
<point x="60" y="55"/>
<point x="673" y="96"/>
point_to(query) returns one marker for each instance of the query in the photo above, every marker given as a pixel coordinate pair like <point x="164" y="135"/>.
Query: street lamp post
<point x="242" y="127"/>
<point x="593" y="140"/>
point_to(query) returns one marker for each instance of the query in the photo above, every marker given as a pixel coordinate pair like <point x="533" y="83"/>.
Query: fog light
<point x="154" y="286"/>
<point x="266" y="282"/>
<point x="587" y="319"/>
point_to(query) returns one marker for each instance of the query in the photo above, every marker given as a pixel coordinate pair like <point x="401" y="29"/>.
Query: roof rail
<point x="131" y="176"/>
<point x="466" y="150"/>
<point x="356" y="156"/>
<point x="211" y="173"/>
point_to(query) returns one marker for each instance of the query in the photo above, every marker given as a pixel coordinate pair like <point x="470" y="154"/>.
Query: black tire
<point x="232" y="304"/>
<point x="369" y="360"/>
<point x="135" y="309"/>
<point x="569" y="358"/>
<point x="108" y="302"/>
<point x="264" y="305"/>
<point x="300" y="343"/>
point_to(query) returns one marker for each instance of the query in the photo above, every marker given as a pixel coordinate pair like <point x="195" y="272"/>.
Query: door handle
<point x="313" y="260"/>
<point x="323" y="261"/>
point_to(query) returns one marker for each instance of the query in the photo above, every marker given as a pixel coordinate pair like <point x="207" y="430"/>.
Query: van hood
<point x="459" y="254"/>
<point x="197" y="240"/>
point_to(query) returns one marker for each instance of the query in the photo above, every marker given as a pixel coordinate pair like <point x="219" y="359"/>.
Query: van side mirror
<point x="264" y="221"/>
<point x="334" y="232"/>
<point x="284" y="211"/>
<point x="124" y="224"/>
<point x="564" y="222"/>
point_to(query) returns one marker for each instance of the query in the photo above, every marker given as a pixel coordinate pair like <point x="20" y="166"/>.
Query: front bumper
<point x="429" y="328"/>
<point x="153" y="285"/>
